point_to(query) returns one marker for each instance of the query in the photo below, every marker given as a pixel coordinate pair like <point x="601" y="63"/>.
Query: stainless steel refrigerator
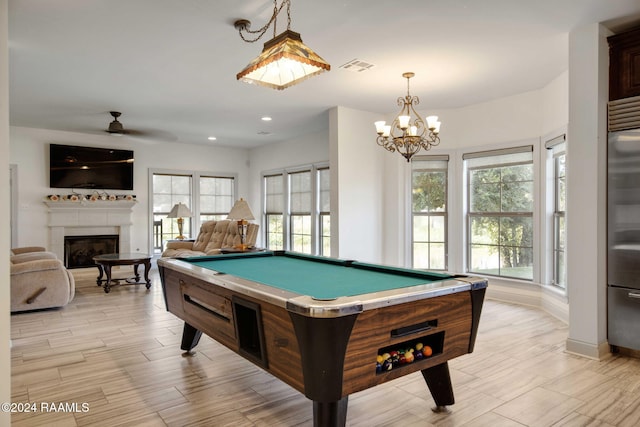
<point x="624" y="239"/>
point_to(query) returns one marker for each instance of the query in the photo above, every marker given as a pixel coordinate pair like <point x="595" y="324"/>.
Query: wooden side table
<point x="105" y="262"/>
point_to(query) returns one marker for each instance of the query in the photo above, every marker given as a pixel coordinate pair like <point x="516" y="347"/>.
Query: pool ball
<point x="427" y="351"/>
<point x="409" y="357"/>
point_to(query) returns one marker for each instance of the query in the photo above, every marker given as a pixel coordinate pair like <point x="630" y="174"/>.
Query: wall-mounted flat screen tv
<point x="90" y="167"/>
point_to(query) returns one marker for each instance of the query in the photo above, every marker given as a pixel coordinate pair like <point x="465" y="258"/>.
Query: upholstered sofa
<point x="213" y="236"/>
<point x="39" y="280"/>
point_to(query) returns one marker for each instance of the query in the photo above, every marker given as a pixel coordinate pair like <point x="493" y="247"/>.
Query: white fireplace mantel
<point x="87" y="218"/>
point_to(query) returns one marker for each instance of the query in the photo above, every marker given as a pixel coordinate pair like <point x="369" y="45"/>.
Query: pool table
<point x="325" y="326"/>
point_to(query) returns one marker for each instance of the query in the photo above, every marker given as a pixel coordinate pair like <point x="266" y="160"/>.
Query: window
<point x="500" y="212"/>
<point x="556" y="147"/>
<point x="215" y="197"/>
<point x="300" y="202"/>
<point x="296" y="210"/>
<point x="324" y="212"/>
<point x="167" y="191"/>
<point x="274" y="212"/>
<point x="429" y="211"/>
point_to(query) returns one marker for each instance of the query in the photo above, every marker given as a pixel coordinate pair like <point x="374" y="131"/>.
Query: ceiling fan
<point x="117" y="129"/>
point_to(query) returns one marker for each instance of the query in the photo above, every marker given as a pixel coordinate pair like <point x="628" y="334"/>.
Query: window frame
<point x="444" y="214"/>
<point x="470" y="215"/>
<point x="556" y="149"/>
<point x="193" y="223"/>
<point x="287" y="213"/>
<point x="323" y="233"/>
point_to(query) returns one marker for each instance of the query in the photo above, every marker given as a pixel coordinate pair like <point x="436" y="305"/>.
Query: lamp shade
<point x="284" y="61"/>
<point x="179" y="210"/>
<point x="240" y="210"/>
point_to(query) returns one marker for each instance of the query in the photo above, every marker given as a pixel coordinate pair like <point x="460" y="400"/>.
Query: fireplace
<point x="80" y="250"/>
<point x="86" y="218"/>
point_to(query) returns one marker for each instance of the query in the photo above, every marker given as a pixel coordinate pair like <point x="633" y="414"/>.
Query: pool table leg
<point x="330" y="414"/>
<point x="439" y="383"/>
<point x="190" y="337"/>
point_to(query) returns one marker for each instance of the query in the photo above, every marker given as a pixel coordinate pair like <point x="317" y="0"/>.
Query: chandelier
<point x="285" y="60"/>
<point x="408" y="133"/>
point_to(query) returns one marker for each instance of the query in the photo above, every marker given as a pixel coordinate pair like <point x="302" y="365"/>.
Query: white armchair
<point x="39" y="280"/>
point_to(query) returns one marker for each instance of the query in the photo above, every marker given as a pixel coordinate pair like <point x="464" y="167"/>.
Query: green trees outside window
<point x="500" y="200"/>
<point x="429" y="212"/>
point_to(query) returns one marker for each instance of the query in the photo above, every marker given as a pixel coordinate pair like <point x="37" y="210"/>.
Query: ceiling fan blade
<point x="151" y="134"/>
<point x="117" y="128"/>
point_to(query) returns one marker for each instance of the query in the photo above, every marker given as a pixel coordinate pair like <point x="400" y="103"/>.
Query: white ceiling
<point x="170" y="66"/>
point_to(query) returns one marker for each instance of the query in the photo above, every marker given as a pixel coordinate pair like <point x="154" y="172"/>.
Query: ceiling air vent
<point x="357" y="66"/>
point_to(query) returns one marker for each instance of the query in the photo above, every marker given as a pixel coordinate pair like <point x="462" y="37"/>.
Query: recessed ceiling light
<point x="266" y="119"/>
<point x="212" y="138"/>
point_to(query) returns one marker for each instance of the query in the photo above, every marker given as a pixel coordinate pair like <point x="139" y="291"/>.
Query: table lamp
<point x="241" y="213"/>
<point x="180" y="211"/>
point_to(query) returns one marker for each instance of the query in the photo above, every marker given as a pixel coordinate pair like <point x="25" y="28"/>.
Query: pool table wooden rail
<point x="341" y="306"/>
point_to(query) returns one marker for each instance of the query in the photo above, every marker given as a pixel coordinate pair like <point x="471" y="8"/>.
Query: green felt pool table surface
<point x="321" y="278"/>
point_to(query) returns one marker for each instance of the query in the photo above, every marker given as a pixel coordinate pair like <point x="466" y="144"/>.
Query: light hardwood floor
<point x="119" y="353"/>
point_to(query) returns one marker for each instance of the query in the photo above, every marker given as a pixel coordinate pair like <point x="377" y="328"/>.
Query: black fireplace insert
<point x="80" y="250"/>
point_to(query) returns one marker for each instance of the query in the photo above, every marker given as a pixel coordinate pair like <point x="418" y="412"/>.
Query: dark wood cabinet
<point x="624" y="65"/>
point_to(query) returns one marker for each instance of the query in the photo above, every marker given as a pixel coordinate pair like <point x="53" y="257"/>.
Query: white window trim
<point x="537" y="188"/>
<point x="548" y="175"/>
<point x="315" y="217"/>
<point x="195" y="184"/>
<point x="447" y="220"/>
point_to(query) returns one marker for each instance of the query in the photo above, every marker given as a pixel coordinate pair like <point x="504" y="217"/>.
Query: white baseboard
<point x="546" y="298"/>
<point x="592" y="351"/>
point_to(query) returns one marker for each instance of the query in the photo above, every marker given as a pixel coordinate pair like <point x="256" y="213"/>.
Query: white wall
<point x="555" y="104"/>
<point x="586" y="190"/>
<point x="29" y="150"/>
<point x="358" y="174"/>
<point x="509" y="119"/>
<point x="5" y="325"/>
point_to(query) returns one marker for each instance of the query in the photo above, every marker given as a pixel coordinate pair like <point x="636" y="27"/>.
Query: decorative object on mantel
<point x="93" y="197"/>
<point x="284" y="60"/>
<point x="407" y="134"/>
<point x="180" y="210"/>
<point x="241" y="213"/>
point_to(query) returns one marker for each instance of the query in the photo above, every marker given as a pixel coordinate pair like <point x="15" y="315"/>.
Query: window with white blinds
<point x="296" y="210"/>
